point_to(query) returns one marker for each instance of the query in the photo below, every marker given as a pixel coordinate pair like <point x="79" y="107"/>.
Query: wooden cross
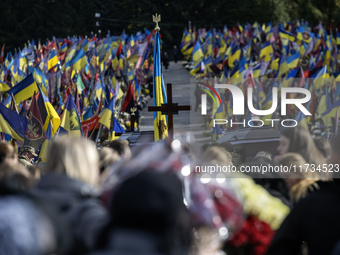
<point x="132" y="126"/>
<point x="169" y="109"/>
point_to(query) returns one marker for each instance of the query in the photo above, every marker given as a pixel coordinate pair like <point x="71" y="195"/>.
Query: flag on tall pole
<point x="35" y="132"/>
<point x="71" y="121"/>
<point x="159" y="98"/>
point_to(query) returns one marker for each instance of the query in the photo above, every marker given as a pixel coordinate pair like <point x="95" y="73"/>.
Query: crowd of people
<point x="149" y="200"/>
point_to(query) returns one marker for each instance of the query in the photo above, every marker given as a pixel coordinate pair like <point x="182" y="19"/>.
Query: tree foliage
<point x="40" y="19"/>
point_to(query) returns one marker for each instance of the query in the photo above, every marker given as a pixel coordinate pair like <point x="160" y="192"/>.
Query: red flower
<point x="254" y="232"/>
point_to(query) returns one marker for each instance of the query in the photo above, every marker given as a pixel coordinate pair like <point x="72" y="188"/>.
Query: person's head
<point x="283" y="145"/>
<point x="107" y="156"/>
<point x="324" y="146"/>
<point x="152" y="202"/>
<point x="298" y="139"/>
<point x="75" y="157"/>
<point x="121" y="147"/>
<point x="298" y="172"/>
<point x="7" y="152"/>
<point x="14" y="177"/>
<point x="28" y="151"/>
<point x="218" y="155"/>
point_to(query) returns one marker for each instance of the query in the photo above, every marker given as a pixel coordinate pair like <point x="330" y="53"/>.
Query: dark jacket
<point x="314" y="220"/>
<point x="131" y="242"/>
<point x="78" y="204"/>
<point x="29" y="224"/>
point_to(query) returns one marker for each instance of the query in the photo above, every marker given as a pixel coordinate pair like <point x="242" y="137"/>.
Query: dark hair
<point x="120" y="146"/>
<point x="14" y="177"/>
<point x="301" y="142"/>
<point x="153" y="202"/>
<point x="6" y="151"/>
<point x="324" y="146"/>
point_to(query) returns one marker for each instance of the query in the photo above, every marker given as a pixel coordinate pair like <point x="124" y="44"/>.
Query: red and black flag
<point x="35" y="132"/>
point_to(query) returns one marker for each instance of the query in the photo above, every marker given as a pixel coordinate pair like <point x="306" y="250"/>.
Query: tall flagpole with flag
<point x="159" y="92"/>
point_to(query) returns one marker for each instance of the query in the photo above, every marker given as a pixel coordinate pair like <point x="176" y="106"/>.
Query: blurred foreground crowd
<point x="150" y="200"/>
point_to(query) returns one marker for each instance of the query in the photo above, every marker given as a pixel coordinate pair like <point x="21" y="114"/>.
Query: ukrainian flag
<point x="69" y="56"/>
<point x="256" y="70"/>
<point x="234" y="55"/>
<point x="98" y="90"/>
<point x="320" y="78"/>
<point x="337" y="38"/>
<point x="117" y="128"/>
<point x="283" y="67"/>
<point x="284" y="34"/>
<point x="52" y="60"/>
<point x="269" y="30"/>
<point x="48" y="114"/>
<point x="108" y="120"/>
<point x="293" y="60"/>
<point x="159" y="98"/>
<point x="63" y="47"/>
<point x="197" y="53"/>
<point x="25" y="89"/>
<point x="291" y="75"/>
<point x="304" y="35"/>
<point x="46" y="144"/>
<point x="12" y="123"/>
<point x="266" y="51"/>
<point x="40" y="78"/>
<point x="4" y="86"/>
<point x="71" y="120"/>
<point x="85" y="45"/>
<point x="79" y="61"/>
<point x="187" y="49"/>
<point x="318" y="41"/>
<point x="186" y="36"/>
<point x="107" y="117"/>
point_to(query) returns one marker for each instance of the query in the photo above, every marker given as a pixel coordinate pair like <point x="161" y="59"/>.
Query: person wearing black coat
<point x="78" y="203"/>
<point x="148" y="217"/>
<point x="70" y="177"/>
<point x="314" y="220"/>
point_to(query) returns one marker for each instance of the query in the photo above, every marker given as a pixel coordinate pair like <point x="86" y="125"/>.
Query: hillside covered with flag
<point x="79" y="85"/>
<point x="288" y="54"/>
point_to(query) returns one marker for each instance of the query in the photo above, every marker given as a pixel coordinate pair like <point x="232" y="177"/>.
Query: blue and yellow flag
<point x="107" y="117"/>
<point x="197" y="54"/>
<point x="79" y="61"/>
<point x="46" y="144"/>
<point x="293" y="60"/>
<point x="48" y="114"/>
<point x="52" y="60"/>
<point x="71" y="120"/>
<point x="108" y="120"/>
<point x="12" y="123"/>
<point x="159" y="98"/>
<point x="4" y="86"/>
<point x="266" y="51"/>
<point x="117" y="128"/>
<point x="25" y="89"/>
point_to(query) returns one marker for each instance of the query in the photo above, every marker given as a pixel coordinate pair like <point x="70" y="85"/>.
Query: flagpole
<point x="100" y="129"/>
<point x="93" y="130"/>
<point x="15" y="103"/>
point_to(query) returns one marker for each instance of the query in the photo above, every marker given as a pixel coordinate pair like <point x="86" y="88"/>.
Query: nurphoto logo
<point x="238" y="107"/>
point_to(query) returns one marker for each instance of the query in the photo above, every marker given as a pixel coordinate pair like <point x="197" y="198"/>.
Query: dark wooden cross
<point x="169" y="109"/>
